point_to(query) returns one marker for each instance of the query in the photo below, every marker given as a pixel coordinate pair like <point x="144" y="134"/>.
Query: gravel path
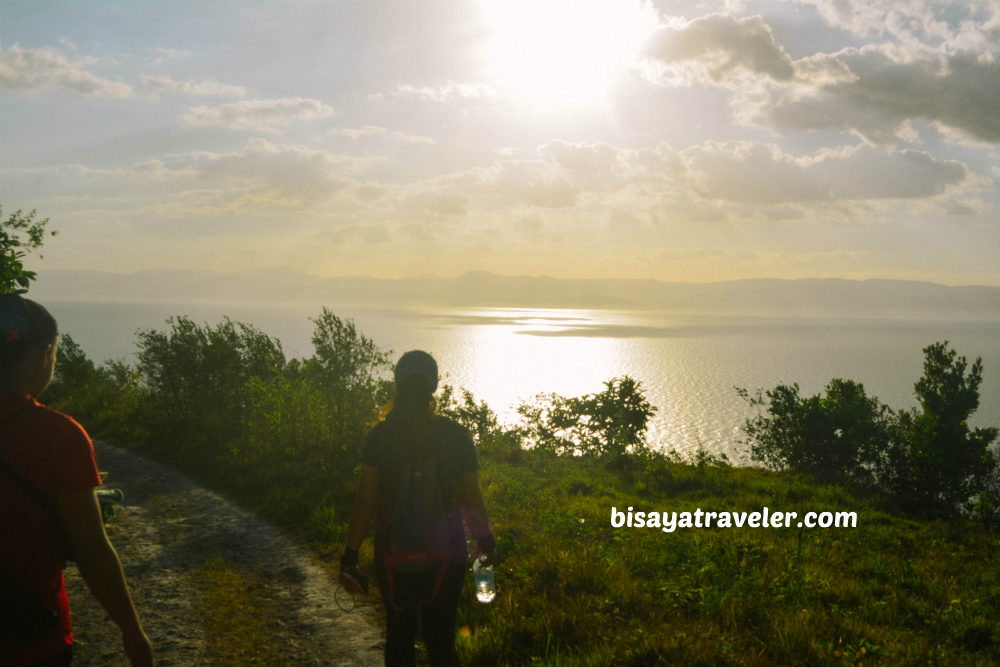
<point x="168" y="532"/>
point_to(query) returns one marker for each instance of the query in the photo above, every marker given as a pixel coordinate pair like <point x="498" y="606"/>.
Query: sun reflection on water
<point x="496" y="356"/>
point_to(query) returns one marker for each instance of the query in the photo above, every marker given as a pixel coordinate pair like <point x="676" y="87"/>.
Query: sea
<point x="689" y="365"/>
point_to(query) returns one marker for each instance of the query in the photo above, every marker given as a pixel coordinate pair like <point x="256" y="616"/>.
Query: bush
<point x="608" y="424"/>
<point x="490" y="437"/>
<point x="197" y="378"/>
<point x="109" y="398"/>
<point x="841" y="437"/>
<point x="928" y="459"/>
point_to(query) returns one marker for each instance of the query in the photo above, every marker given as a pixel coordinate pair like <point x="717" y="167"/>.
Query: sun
<point x="562" y="54"/>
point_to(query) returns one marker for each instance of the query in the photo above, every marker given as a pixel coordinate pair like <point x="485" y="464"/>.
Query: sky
<point x="678" y="141"/>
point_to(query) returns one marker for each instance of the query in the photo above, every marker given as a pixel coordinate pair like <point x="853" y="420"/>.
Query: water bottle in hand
<point x="486" y="588"/>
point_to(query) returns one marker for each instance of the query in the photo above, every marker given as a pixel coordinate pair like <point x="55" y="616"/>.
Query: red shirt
<point x="55" y="454"/>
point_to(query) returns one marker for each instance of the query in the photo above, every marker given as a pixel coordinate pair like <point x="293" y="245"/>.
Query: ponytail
<point x="413" y="404"/>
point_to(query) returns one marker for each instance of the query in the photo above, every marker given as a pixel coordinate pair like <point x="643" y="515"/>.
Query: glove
<point x="350" y="576"/>
<point x="353" y="581"/>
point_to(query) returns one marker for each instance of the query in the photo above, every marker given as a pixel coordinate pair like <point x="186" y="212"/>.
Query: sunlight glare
<point x="499" y="359"/>
<point x="559" y="54"/>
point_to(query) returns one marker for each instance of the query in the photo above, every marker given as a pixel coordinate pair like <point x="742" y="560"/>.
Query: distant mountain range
<point x="818" y="297"/>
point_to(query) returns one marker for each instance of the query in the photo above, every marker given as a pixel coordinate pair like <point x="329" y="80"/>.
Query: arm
<point x="364" y="508"/>
<point x="97" y="560"/>
<point x="470" y="497"/>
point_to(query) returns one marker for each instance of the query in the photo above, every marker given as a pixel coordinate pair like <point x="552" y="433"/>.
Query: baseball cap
<point x="417" y="362"/>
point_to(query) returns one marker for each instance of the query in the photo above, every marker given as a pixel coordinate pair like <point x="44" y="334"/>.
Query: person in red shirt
<point x="51" y="510"/>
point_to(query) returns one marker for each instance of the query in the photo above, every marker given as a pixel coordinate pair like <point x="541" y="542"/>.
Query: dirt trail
<point x="167" y="532"/>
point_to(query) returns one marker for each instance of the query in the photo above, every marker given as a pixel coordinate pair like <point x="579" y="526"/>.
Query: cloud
<point x="507" y="183"/>
<point x="163" y="55"/>
<point x="259" y="114"/>
<point x="715" y="46"/>
<point x="291" y="175"/>
<point x="259" y="178"/>
<point x="164" y="84"/>
<point x="876" y="94"/>
<point x="598" y="162"/>
<point x="377" y="131"/>
<point x="955" y="25"/>
<point x="738" y="180"/>
<point x="940" y="64"/>
<point x="45" y="69"/>
<point x="360" y="132"/>
<point x="756" y="173"/>
<point x="446" y="92"/>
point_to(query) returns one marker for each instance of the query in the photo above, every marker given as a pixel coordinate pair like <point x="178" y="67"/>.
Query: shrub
<point x="108" y="398"/>
<point x="197" y="378"/>
<point x="841" y="437"/>
<point x="928" y="459"/>
<point x="608" y="424"/>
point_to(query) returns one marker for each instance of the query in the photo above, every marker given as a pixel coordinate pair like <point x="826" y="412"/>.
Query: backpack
<point x="417" y="532"/>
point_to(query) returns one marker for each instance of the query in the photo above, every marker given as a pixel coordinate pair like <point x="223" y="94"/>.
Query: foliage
<point x="943" y="463"/>
<point x="110" y="396"/>
<point x="841" y="437"/>
<point x="345" y="359"/>
<point x="608" y="424"/>
<point x="491" y="438"/>
<point x="222" y="402"/>
<point x="20" y="234"/>
<point x="73" y="369"/>
<point x="927" y="459"/>
<point x="197" y="378"/>
<point x="345" y="372"/>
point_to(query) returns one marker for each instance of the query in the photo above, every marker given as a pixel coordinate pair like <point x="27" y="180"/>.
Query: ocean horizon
<point x="689" y="365"/>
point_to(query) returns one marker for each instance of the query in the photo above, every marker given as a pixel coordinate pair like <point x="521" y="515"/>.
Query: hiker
<point x="48" y="508"/>
<point x="419" y="480"/>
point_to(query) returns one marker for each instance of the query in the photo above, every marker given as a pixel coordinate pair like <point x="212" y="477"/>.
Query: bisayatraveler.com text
<point x="668" y="522"/>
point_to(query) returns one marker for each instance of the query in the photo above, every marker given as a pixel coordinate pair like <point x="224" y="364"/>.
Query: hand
<point x="138" y="649"/>
<point x="489" y="558"/>
<point x="486" y="548"/>
<point x="353" y="581"/>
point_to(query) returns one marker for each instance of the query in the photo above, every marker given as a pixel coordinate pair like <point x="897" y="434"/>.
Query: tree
<point x="20" y="234"/>
<point x="943" y="462"/>
<point x="606" y="424"/>
<point x="346" y="371"/>
<point x="840" y="437"/>
<point x="108" y="398"/>
<point x="197" y="377"/>
<point x="928" y="459"/>
<point x="346" y="359"/>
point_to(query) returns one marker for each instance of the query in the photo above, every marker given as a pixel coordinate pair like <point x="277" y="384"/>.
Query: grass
<point x="234" y="618"/>
<point x="574" y="590"/>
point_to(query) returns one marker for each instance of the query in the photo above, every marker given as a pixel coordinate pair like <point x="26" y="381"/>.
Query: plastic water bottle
<point x="486" y="588"/>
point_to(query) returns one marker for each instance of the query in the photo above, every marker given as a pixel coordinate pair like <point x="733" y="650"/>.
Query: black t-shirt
<point x="455" y="453"/>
